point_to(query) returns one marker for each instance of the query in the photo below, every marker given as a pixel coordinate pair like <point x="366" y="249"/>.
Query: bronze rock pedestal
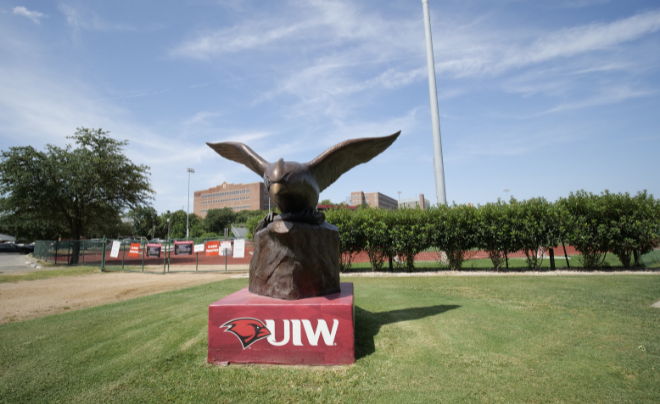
<point x="294" y="260"/>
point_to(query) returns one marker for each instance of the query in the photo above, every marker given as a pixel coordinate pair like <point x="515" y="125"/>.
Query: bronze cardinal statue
<point x="295" y="187"/>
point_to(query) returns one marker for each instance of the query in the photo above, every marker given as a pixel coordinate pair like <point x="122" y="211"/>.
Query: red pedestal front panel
<point x="247" y="328"/>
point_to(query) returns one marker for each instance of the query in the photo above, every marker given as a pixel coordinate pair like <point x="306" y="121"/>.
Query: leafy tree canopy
<point x="70" y="192"/>
<point x="217" y="220"/>
<point x="178" y="225"/>
<point x="144" y="220"/>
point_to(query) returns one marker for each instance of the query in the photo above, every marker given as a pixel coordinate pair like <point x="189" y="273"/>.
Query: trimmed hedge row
<point x="594" y="224"/>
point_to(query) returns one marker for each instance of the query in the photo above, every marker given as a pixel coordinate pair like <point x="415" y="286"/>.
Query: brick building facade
<point x="234" y="196"/>
<point x="374" y="200"/>
<point x="413" y="203"/>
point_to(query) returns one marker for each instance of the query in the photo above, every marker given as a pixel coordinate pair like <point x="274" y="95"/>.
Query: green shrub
<point x="375" y="227"/>
<point x="351" y="237"/>
<point x="586" y="226"/>
<point x="410" y="234"/>
<point x="454" y="230"/>
<point x="494" y="232"/>
<point x="631" y="225"/>
<point x="535" y="228"/>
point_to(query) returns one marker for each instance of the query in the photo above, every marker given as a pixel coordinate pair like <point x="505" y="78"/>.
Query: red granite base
<point x="248" y="328"/>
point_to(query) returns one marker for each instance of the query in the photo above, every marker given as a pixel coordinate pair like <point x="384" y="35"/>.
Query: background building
<point x="321" y="208"/>
<point x="234" y="196"/>
<point x="420" y="202"/>
<point x="373" y="199"/>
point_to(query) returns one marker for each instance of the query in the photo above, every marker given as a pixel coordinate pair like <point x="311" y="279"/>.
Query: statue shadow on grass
<point x="367" y="324"/>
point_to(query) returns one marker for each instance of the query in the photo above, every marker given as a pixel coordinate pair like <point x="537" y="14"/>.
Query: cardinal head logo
<point x="248" y="330"/>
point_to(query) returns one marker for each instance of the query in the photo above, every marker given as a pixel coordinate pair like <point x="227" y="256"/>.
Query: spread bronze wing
<point x="240" y="153"/>
<point x="338" y="159"/>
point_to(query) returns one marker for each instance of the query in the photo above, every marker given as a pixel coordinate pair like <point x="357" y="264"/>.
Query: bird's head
<point x="276" y="177"/>
<point x="291" y="186"/>
<point x="248" y="330"/>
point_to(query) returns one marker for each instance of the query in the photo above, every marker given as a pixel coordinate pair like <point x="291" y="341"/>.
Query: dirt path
<point x="31" y="299"/>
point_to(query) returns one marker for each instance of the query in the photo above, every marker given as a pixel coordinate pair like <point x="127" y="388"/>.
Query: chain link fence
<point x="163" y="256"/>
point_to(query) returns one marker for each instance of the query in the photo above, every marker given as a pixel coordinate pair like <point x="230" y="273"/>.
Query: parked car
<point x="19" y="248"/>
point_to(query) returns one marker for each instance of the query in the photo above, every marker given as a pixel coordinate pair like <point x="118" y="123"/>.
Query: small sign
<point x="153" y="250"/>
<point x="225" y="248"/>
<point x="199" y="248"/>
<point x="114" y="253"/>
<point x="135" y="250"/>
<point x="239" y="248"/>
<point x="212" y="248"/>
<point x="183" y="247"/>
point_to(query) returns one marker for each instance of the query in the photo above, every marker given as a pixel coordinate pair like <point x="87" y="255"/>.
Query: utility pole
<point x="169" y="216"/>
<point x="190" y="171"/>
<point x="438" y="165"/>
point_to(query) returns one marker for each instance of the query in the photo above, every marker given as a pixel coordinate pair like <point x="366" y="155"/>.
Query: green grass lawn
<point x="51" y="273"/>
<point x="419" y="340"/>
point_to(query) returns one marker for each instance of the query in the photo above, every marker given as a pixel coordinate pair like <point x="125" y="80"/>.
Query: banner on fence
<point x="212" y="248"/>
<point x="199" y="248"/>
<point x="135" y="250"/>
<point x="225" y="248"/>
<point x="114" y="253"/>
<point x="183" y="247"/>
<point x="153" y="250"/>
<point x="239" y="248"/>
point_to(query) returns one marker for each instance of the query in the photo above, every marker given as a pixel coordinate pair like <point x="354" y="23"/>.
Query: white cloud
<point x="35" y="16"/>
<point x="583" y="3"/>
<point x="135" y="95"/>
<point x="241" y="137"/>
<point x="235" y="39"/>
<point x="79" y="19"/>
<point x="513" y="142"/>
<point x="611" y="95"/>
<point x="314" y="24"/>
<point x="200" y="117"/>
<point x="352" y="51"/>
<point x="578" y="40"/>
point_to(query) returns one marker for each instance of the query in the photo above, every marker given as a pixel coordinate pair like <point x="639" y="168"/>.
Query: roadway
<point x="14" y="263"/>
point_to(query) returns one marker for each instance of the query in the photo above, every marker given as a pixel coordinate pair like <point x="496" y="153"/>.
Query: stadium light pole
<point x="169" y="216"/>
<point x="190" y="171"/>
<point x="438" y="165"/>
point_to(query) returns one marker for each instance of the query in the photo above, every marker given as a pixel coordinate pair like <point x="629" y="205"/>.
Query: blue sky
<point x="541" y="97"/>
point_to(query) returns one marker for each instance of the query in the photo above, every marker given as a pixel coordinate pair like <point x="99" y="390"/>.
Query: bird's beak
<point x="276" y="188"/>
<point x="263" y="332"/>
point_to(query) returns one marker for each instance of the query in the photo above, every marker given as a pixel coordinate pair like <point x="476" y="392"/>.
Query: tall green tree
<point x="217" y="220"/>
<point x="75" y="189"/>
<point x="145" y="219"/>
<point x="177" y="225"/>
